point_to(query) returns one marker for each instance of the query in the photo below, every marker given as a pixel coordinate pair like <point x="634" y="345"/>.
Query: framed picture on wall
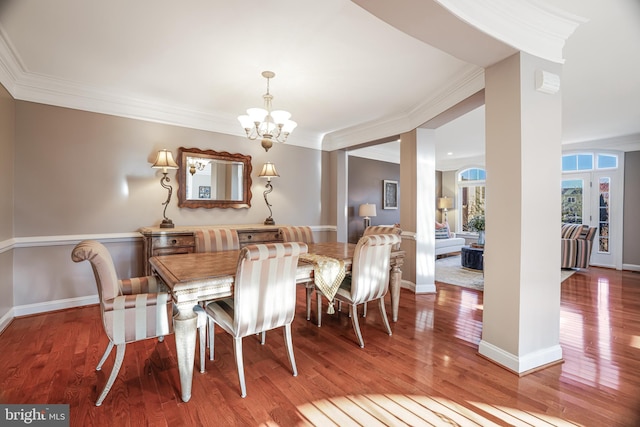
<point x="389" y="194"/>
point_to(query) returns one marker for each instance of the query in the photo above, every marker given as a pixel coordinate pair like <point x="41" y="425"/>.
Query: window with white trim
<point x="471" y="195"/>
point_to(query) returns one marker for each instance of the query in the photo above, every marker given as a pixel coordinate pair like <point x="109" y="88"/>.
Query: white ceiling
<point x="340" y="70"/>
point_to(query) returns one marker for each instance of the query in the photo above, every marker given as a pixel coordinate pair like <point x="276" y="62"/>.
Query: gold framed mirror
<point x="213" y="179"/>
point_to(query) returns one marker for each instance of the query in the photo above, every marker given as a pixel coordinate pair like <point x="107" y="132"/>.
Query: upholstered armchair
<point x="264" y="298"/>
<point x="369" y="278"/>
<point x="132" y="309"/>
<point x="305" y="235"/>
<point x="211" y="240"/>
<point x="577" y="243"/>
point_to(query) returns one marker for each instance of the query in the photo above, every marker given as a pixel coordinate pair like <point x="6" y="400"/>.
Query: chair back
<point x="216" y="240"/>
<point x="383" y="229"/>
<point x="103" y="268"/>
<point x="370" y="268"/>
<point x="132" y="309"/>
<point x="265" y="287"/>
<point x="297" y="234"/>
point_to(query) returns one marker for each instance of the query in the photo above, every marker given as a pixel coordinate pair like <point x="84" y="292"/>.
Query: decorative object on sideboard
<point x="213" y="179"/>
<point x="165" y="161"/>
<point x="389" y="194"/>
<point x="444" y="204"/>
<point x="265" y="124"/>
<point x="367" y="210"/>
<point x="268" y="171"/>
<point x="476" y="223"/>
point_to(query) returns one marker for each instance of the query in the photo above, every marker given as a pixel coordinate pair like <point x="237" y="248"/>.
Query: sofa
<point x="577" y="243"/>
<point x="446" y="241"/>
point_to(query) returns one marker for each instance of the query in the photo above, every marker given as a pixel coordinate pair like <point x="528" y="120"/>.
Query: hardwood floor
<point x="427" y="373"/>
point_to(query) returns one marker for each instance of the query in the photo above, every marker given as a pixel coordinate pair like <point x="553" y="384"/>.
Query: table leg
<point x="394" y="285"/>
<point x="185" y="325"/>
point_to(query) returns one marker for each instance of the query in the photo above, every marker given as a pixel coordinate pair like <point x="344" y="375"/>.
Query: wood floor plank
<point x="429" y="370"/>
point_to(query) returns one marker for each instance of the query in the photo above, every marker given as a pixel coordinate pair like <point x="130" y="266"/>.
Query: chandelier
<point x="265" y="124"/>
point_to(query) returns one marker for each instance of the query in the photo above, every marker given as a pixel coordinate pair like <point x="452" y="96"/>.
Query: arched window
<point x="471" y="195"/>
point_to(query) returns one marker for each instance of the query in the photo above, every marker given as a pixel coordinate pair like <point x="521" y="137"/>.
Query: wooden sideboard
<point x="180" y="240"/>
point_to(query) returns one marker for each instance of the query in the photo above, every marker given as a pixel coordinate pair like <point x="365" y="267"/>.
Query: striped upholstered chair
<point x="132" y="309"/>
<point x="264" y="298"/>
<point x="297" y="233"/>
<point x="381" y="229"/>
<point x="211" y="240"/>
<point x="577" y="243"/>
<point x="216" y="239"/>
<point x="369" y="279"/>
<point x="384" y="229"/>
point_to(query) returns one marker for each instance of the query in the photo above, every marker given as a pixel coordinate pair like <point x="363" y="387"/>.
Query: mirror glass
<point x="212" y="179"/>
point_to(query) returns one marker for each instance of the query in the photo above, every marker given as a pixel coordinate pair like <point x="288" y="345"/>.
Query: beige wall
<point x="82" y="174"/>
<point x="631" y="235"/>
<point x="7" y="120"/>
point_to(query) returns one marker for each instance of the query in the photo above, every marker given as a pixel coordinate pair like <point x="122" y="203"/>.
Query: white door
<point x="576" y="196"/>
<point x="592" y="199"/>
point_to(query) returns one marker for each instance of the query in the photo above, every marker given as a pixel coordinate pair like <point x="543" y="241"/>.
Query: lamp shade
<point x="268" y="171"/>
<point x="165" y="160"/>
<point x="445" y="203"/>
<point x="367" y="210"/>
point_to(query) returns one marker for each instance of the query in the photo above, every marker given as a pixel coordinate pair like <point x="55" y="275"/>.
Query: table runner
<point x="328" y="274"/>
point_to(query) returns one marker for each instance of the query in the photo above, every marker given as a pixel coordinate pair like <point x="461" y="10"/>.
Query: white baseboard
<point x="43" y="307"/>
<point x="524" y="363"/>
<point x="631" y="267"/>
<point x="425" y="288"/>
<point x="5" y="320"/>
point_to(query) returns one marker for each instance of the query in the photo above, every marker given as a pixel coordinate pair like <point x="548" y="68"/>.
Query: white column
<point x="521" y="319"/>
<point x="418" y="206"/>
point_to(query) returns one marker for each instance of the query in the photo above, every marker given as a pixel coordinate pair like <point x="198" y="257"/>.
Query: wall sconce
<point x="367" y="210"/>
<point x="268" y="171"/>
<point x="444" y="204"/>
<point x="165" y="161"/>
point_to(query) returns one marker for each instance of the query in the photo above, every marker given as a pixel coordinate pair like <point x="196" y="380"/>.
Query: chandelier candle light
<point x="268" y="171"/>
<point x="265" y="124"/>
<point x="165" y="161"/>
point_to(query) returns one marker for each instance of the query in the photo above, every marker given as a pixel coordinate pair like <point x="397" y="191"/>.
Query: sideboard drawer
<point x="173" y="241"/>
<point x="251" y="237"/>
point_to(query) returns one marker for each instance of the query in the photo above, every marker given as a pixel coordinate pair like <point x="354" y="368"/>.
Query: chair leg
<point x="114" y="373"/>
<point x="356" y="326"/>
<point x="202" y="332"/>
<point x="364" y="310"/>
<point x="289" y="343"/>
<point x="319" y="307"/>
<point x="212" y="337"/>
<point x="263" y="337"/>
<point x="105" y="355"/>
<point x="237" y="349"/>
<point x="309" y="291"/>
<point x="383" y="314"/>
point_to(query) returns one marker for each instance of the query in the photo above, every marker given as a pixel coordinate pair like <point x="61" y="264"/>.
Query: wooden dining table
<point x="207" y="276"/>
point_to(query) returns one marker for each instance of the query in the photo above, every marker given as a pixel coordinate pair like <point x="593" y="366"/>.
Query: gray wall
<point x="631" y="226"/>
<point x="365" y="186"/>
<point x="7" y="120"/>
<point x="86" y="175"/>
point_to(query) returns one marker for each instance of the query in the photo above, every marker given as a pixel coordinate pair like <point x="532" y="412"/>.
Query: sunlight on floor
<point x="413" y="410"/>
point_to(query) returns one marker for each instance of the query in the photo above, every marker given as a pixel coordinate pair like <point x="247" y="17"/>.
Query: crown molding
<point x="469" y="82"/>
<point x="531" y="26"/>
